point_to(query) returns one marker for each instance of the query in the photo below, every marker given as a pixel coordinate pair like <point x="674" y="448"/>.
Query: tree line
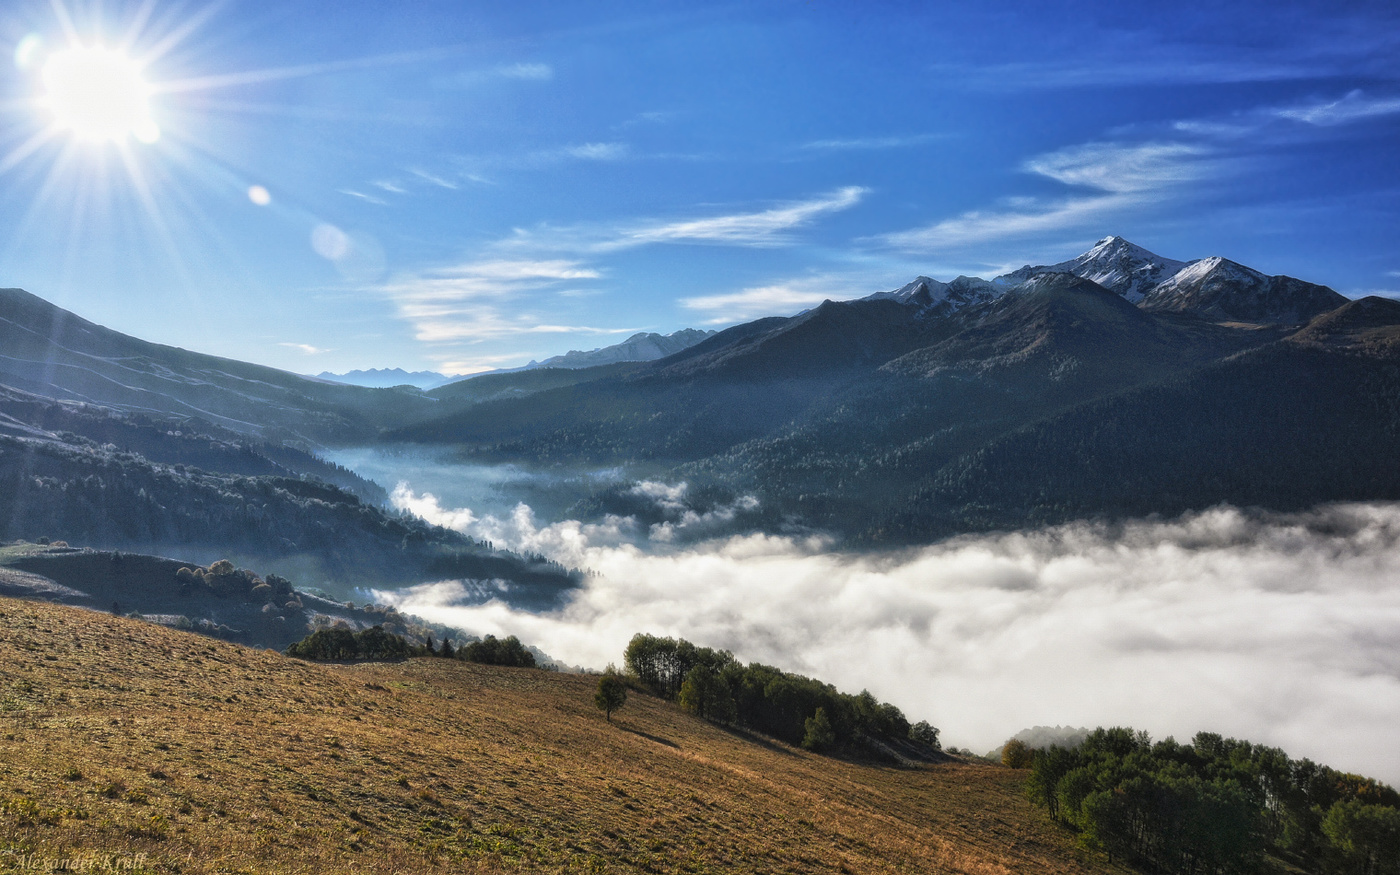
<point x="799" y="710"/>
<point x="1216" y="806"/>
<point x="375" y="643"/>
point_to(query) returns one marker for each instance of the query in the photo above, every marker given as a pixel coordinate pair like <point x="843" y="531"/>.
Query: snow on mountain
<point x="937" y="298"/>
<point x="1224" y="291"/>
<point x="1113" y="263"/>
<point x="1215" y="289"/>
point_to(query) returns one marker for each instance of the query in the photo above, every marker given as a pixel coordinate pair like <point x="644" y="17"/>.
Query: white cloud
<point x="304" y="347"/>
<point x="1276" y="628"/>
<point x="1355" y="106"/>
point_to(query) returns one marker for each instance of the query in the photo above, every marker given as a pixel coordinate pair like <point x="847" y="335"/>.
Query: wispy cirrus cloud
<point x="872" y="143"/>
<point x="1122" y="167"/>
<point x="1353" y="107"/>
<point x="1122" y="177"/>
<point x="368" y="198"/>
<point x="775" y="299"/>
<point x="521" y="71"/>
<point x="464" y="302"/>
<point x="760" y="228"/>
<point x="769" y="227"/>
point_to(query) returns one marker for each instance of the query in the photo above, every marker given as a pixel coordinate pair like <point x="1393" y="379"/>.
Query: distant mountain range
<point x="1115" y="383"/>
<point x="387" y="378"/>
<point x="641" y="347"/>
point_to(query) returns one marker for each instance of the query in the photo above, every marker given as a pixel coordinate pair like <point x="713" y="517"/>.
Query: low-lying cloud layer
<point x="1278" y="628"/>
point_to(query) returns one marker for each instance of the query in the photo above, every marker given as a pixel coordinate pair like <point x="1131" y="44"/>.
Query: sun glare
<point x="98" y="94"/>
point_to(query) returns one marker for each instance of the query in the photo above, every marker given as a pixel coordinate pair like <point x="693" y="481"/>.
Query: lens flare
<point x="98" y="94"/>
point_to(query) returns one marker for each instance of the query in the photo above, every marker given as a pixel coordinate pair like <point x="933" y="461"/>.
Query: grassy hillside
<point x="122" y="738"/>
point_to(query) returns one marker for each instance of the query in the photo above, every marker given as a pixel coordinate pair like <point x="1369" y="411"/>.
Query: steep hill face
<point x="49" y="351"/>
<point x="1285" y="427"/>
<point x="128" y="738"/>
<point x="831" y="339"/>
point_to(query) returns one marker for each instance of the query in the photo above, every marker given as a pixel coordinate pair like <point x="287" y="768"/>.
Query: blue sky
<point x="462" y="186"/>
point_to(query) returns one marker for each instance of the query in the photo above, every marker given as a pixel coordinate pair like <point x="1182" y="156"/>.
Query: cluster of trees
<point x="343" y="644"/>
<point x="1216" y="805"/>
<point x="495" y="651"/>
<point x="224" y="580"/>
<point x="712" y="684"/>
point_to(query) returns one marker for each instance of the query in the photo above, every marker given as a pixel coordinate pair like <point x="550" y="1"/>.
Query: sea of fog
<point x="1283" y="629"/>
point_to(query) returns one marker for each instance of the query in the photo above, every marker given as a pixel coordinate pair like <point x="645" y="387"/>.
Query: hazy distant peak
<point x="383" y="378"/>
<point x="641" y="347"/>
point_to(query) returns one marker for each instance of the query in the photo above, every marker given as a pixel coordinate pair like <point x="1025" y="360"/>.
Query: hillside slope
<point x="121" y="738"/>
<point x="49" y="351"/>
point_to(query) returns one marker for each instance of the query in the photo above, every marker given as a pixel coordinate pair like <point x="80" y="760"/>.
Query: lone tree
<point x="611" y="695"/>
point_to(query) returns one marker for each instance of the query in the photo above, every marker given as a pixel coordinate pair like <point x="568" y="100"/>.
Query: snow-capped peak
<point x="1113" y="263"/>
<point x="934" y="297"/>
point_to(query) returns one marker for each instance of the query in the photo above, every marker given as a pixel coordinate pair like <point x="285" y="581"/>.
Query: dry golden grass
<point x="119" y="738"/>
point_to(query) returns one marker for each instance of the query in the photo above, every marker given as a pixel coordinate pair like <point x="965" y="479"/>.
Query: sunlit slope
<point x="124" y="738"/>
<point x="50" y="351"/>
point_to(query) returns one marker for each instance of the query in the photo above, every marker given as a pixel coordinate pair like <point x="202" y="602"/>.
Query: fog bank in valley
<point x="1278" y="628"/>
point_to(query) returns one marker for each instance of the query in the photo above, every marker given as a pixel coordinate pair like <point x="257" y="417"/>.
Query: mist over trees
<point x="1216" y="805"/>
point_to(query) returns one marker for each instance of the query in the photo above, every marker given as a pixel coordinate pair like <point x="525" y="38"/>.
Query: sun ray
<point x="275" y="74"/>
<point x="181" y="33"/>
<point x="65" y="21"/>
<point x="27" y="148"/>
<point x="138" y="21"/>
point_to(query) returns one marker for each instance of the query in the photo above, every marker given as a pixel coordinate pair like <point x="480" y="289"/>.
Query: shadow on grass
<point x="649" y="737"/>
<point x="762" y="741"/>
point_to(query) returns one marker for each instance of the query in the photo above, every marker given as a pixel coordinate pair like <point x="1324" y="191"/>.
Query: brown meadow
<point x="120" y="739"/>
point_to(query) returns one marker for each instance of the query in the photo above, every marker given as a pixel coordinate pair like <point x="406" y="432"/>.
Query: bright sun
<point x="99" y="94"/>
